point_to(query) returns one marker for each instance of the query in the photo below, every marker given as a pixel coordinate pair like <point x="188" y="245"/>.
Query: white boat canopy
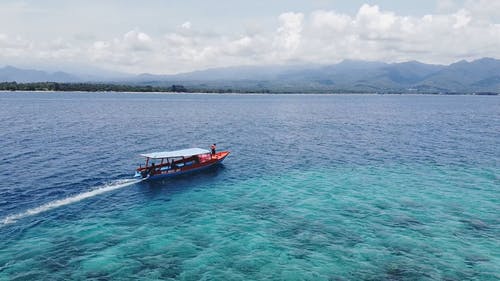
<point x="176" y="153"/>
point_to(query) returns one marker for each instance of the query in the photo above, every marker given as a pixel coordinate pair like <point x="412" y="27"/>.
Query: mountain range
<point x="482" y="75"/>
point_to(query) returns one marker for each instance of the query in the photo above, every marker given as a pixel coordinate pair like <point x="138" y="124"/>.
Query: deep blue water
<point x="317" y="187"/>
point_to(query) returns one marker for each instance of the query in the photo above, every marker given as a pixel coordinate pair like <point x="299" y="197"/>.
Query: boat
<point x="172" y="163"/>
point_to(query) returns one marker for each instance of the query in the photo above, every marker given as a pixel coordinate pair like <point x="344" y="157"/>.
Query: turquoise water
<point x="316" y="188"/>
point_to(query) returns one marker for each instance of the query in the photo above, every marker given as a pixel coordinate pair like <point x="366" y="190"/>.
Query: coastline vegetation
<point x="176" y="88"/>
<point x="86" y="87"/>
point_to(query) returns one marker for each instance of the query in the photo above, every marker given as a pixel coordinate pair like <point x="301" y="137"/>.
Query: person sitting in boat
<point x="172" y="165"/>
<point x="152" y="169"/>
<point x="145" y="172"/>
<point x="213" y="147"/>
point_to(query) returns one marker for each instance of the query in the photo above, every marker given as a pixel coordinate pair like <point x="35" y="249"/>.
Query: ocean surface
<point x="317" y="187"/>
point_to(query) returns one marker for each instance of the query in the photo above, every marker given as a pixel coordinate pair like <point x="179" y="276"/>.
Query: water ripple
<point x="349" y="187"/>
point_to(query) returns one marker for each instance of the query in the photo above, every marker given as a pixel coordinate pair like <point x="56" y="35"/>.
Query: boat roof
<point x="176" y="153"/>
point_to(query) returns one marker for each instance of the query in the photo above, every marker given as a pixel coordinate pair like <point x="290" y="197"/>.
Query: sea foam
<point x="69" y="200"/>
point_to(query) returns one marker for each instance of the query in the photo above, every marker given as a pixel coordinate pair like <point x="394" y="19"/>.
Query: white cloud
<point x="136" y="41"/>
<point x="462" y="19"/>
<point x="485" y="10"/>
<point x="370" y="18"/>
<point x="13" y="47"/>
<point x="330" y="20"/>
<point x="186" y="25"/>
<point x="379" y="35"/>
<point x="288" y="35"/>
<point x="129" y="52"/>
<point x="7" y="42"/>
<point x="322" y="36"/>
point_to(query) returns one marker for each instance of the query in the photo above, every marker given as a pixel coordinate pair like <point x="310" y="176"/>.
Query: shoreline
<point x="88" y="87"/>
<point x="251" y="93"/>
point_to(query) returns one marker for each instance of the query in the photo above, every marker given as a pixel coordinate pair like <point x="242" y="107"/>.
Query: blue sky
<point x="166" y="36"/>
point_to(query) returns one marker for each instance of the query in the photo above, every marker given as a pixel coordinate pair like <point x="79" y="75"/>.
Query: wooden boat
<point x="172" y="163"/>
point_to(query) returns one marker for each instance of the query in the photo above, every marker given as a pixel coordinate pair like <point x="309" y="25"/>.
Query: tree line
<point x="108" y="87"/>
<point x="86" y="87"/>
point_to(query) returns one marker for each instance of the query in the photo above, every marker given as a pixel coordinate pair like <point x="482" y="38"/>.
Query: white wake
<point x="69" y="200"/>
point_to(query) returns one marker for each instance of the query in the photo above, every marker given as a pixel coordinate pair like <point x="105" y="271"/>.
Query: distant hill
<point x="478" y="75"/>
<point x="482" y="75"/>
<point x="10" y="73"/>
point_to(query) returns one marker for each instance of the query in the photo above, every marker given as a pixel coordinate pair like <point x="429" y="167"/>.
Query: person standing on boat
<point x="213" y="147"/>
